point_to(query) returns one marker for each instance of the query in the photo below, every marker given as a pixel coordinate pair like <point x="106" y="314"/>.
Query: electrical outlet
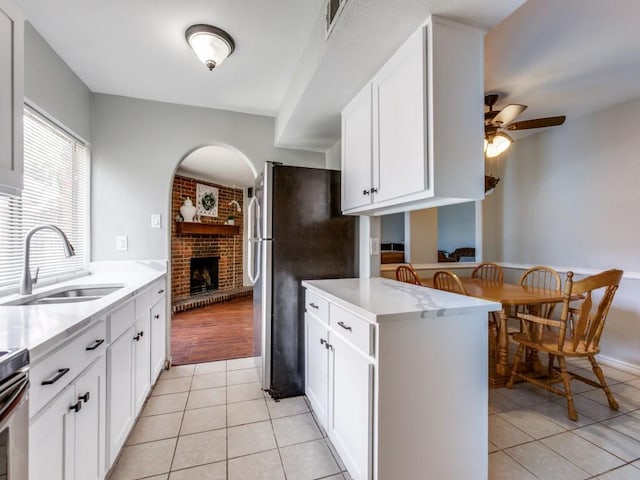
<point x="155" y="220"/>
<point x="374" y="246"/>
<point x="122" y="243"/>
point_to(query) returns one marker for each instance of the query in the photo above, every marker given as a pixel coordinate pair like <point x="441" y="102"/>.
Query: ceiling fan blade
<point x="508" y="114"/>
<point x="537" y="123"/>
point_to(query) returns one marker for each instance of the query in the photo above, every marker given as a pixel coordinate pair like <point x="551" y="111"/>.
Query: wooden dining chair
<point x="543" y="278"/>
<point x="407" y="274"/>
<point x="488" y="271"/>
<point x="449" y="282"/>
<point x="596" y="294"/>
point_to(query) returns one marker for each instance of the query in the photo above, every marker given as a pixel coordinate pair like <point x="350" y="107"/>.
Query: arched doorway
<point x="210" y="292"/>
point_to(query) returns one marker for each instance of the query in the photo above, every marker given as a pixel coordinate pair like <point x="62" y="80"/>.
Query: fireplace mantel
<point x="195" y="228"/>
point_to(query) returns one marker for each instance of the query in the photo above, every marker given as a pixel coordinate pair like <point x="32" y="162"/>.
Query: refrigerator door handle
<point x="253" y="241"/>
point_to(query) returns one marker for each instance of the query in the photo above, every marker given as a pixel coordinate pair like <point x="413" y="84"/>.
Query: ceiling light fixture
<point x="496" y="144"/>
<point x="211" y="44"/>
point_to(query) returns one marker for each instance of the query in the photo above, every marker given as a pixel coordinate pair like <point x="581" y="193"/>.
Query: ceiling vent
<point x="334" y="9"/>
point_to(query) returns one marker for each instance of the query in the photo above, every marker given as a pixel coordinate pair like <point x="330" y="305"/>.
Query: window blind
<point x="55" y="192"/>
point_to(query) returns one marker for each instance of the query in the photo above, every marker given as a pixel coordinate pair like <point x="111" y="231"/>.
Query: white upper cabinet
<point x="357" y="146"/>
<point x="11" y="96"/>
<point x="419" y="139"/>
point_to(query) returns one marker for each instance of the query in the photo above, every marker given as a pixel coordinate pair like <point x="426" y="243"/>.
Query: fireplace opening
<point x="204" y="275"/>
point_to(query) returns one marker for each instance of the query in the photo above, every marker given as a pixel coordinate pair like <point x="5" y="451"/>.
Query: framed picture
<point x="206" y="200"/>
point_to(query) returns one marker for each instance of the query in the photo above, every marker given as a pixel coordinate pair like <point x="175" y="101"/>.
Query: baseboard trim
<point x="620" y="365"/>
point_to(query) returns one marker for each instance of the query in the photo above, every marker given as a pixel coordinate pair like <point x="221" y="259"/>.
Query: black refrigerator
<point x="296" y="232"/>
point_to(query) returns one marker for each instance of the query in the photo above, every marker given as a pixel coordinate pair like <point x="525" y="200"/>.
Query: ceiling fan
<point x="495" y="140"/>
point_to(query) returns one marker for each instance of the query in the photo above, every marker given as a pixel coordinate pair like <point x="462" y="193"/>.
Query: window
<point x="56" y="191"/>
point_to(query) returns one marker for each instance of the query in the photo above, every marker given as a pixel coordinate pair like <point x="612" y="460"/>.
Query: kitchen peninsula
<point x="386" y="365"/>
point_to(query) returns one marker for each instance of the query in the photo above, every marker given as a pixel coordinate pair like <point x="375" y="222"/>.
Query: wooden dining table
<point x="510" y="296"/>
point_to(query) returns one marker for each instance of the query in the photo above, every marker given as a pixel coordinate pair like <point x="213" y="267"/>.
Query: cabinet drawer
<point x="316" y="306"/>
<point x="354" y="329"/>
<point x="158" y="291"/>
<point x="143" y="303"/>
<point x="120" y="320"/>
<point x="54" y="372"/>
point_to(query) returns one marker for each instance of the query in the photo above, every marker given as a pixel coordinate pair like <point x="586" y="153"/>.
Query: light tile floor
<point x="531" y="437"/>
<point x="211" y="421"/>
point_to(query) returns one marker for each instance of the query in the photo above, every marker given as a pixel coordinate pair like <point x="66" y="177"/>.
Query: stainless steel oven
<point x="14" y="414"/>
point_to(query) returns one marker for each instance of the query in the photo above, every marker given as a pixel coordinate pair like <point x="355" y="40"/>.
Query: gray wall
<point x="51" y="85"/>
<point x="392" y="228"/>
<point x="570" y="199"/>
<point x="456" y="226"/>
<point x="137" y="145"/>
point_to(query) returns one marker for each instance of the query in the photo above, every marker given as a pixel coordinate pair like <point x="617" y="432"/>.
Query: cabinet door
<point x="350" y="407"/>
<point x="119" y="393"/>
<point x="11" y="96"/>
<point x="158" y="338"/>
<point x="90" y="422"/>
<point x="142" y="361"/>
<point x="317" y="367"/>
<point x="51" y="438"/>
<point x="357" y="151"/>
<point x="399" y="92"/>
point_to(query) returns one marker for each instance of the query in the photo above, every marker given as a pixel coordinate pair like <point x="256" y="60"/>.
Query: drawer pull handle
<point x="160" y="291"/>
<point x="142" y="333"/>
<point x="374" y="190"/>
<point x="59" y="375"/>
<point x="322" y="341"/>
<point x="313" y="305"/>
<point x="328" y="346"/>
<point x="95" y="345"/>
<point x="366" y="192"/>
<point x="77" y="407"/>
<point x="85" y="397"/>
<point x="157" y="315"/>
<point x="346" y="327"/>
<point x="137" y="337"/>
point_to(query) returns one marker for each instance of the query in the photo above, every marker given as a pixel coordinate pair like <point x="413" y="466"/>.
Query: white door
<point x="90" y="422"/>
<point x="357" y="151"/>
<point x="158" y="337"/>
<point x="350" y="415"/>
<point x="119" y="393"/>
<point x="317" y="367"/>
<point x="399" y="92"/>
<point x="51" y="438"/>
<point x="142" y="360"/>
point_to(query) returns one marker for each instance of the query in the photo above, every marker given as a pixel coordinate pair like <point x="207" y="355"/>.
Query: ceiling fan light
<point x="497" y="144"/>
<point x="211" y="44"/>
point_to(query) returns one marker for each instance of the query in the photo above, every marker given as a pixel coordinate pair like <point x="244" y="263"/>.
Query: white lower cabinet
<point x="383" y="380"/>
<point x="120" y="415"/>
<point x="350" y="415"/>
<point x="66" y="438"/>
<point x="142" y="360"/>
<point x="317" y="367"/>
<point x="158" y="336"/>
<point x="339" y="383"/>
<point x="87" y="392"/>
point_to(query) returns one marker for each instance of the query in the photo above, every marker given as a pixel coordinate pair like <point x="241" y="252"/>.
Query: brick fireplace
<point x="224" y="247"/>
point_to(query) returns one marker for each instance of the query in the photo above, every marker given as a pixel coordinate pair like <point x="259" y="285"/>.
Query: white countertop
<point x="40" y="327"/>
<point x="378" y="298"/>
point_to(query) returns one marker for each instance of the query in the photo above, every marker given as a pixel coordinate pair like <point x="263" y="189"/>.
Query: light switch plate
<point x="374" y="244"/>
<point x="122" y="243"/>
<point x="155" y="220"/>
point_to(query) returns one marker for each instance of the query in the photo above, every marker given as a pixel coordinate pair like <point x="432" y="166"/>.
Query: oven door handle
<point x="12" y="391"/>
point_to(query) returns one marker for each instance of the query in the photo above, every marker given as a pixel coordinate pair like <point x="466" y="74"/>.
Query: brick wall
<point x="185" y="246"/>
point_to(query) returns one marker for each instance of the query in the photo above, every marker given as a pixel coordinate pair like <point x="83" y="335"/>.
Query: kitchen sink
<point x="63" y="295"/>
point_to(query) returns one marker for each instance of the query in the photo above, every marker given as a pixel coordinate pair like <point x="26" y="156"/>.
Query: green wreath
<point x="208" y="201"/>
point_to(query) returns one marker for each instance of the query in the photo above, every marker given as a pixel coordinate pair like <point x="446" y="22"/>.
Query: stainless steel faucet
<point x="26" y="282"/>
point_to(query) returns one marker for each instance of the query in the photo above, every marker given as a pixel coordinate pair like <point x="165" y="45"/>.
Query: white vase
<point x="187" y="210"/>
<point x="231" y="221"/>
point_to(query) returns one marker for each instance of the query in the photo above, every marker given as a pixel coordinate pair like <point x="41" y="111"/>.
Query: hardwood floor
<point x="216" y="332"/>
